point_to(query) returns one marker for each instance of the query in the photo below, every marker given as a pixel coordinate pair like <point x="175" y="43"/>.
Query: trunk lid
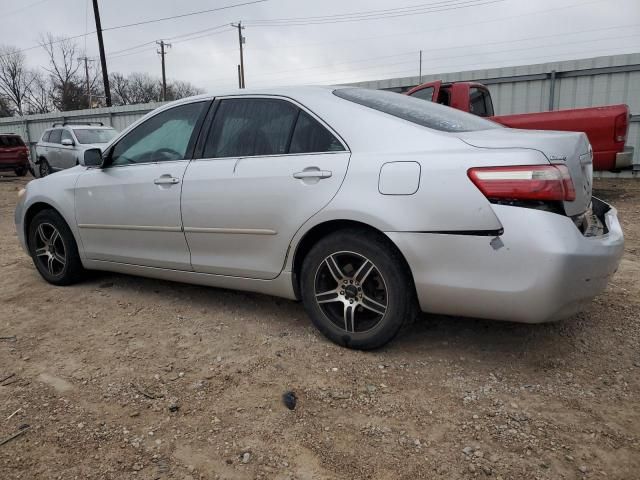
<point x="560" y="148"/>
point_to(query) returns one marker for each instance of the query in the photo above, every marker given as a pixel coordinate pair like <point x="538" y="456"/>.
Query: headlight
<point x="21" y="193"/>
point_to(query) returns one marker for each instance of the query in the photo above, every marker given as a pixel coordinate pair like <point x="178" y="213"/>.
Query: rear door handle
<point x="313" y="174"/>
<point x="166" y="180"/>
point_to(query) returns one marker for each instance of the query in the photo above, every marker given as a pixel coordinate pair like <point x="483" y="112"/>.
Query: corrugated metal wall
<point x="579" y="83"/>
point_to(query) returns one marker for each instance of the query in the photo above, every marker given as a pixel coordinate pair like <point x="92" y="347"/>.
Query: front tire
<point x="21" y="172"/>
<point x="357" y="290"/>
<point x="45" y="168"/>
<point x="53" y="249"/>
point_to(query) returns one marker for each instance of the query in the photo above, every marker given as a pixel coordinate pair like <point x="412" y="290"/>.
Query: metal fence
<point x="523" y="89"/>
<point x="550" y="86"/>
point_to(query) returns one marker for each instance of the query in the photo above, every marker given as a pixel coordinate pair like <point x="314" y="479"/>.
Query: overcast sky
<point x="455" y="35"/>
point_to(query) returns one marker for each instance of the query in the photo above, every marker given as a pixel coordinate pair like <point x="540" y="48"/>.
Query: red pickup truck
<point x="606" y="127"/>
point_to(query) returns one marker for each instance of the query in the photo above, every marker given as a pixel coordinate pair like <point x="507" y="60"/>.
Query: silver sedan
<point x="366" y="205"/>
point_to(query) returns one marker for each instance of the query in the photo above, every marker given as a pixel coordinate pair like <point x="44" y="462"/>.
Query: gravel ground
<point x="122" y="377"/>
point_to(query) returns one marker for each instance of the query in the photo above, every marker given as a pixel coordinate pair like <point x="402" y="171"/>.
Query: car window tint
<point x="66" y="135"/>
<point x="252" y="126"/>
<point x="45" y="137"/>
<point x="11" y="141"/>
<point x="427" y="114"/>
<point x="309" y="136"/>
<point x="480" y="102"/>
<point x="163" y="137"/>
<point x="94" y="135"/>
<point x="56" y="136"/>
<point x="424" y="94"/>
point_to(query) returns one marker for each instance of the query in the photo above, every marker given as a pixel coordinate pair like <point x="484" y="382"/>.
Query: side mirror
<point x="93" y="157"/>
<point x="67" y="142"/>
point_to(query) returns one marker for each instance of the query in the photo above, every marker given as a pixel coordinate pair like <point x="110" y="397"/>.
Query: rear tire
<point x="21" y="172"/>
<point x="357" y="290"/>
<point x="53" y="249"/>
<point x="45" y="168"/>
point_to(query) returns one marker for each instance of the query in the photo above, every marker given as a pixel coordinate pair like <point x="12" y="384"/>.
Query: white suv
<point x="63" y="145"/>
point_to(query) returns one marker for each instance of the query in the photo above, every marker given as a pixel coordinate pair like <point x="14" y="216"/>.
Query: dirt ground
<point x="122" y="377"/>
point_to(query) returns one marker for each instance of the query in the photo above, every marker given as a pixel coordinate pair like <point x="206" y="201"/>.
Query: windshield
<point x="417" y="111"/>
<point x="94" y="135"/>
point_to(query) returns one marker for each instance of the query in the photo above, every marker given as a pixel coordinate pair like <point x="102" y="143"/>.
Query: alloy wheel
<point x="351" y="292"/>
<point x="50" y="250"/>
<point x="44" y="168"/>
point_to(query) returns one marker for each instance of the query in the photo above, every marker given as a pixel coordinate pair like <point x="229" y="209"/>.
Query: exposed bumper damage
<point x="545" y="272"/>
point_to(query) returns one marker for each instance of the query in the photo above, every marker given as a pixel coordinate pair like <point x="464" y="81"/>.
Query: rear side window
<point x="245" y="127"/>
<point x="480" y="102"/>
<point x="45" y="137"/>
<point x="11" y="141"/>
<point x="309" y="137"/>
<point x="55" y="136"/>
<point x="249" y="127"/>
<point x="427" y="114"/>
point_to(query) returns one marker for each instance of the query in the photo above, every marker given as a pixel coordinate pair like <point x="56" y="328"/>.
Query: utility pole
<point x="162" y="52"/>
<point x="420" y="66"/>
<point x="86" y="72"/>
<point x="241" y="41"/>
<point x="103" y="59"/>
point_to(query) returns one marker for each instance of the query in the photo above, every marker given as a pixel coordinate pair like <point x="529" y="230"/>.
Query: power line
<point x="412" y="52"/>
<point x="173" y="17"/>
<point x="144" y="22"/>
<point x="26" y="7"/>
<point x="423" y="11"/>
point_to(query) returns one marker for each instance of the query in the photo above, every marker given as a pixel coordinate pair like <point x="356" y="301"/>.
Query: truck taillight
<point x="621" y="128"/>
<point x="524" y="182"/>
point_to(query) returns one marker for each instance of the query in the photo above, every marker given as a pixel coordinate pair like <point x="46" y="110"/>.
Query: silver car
<point x="366" y="205"/>
<point x="63" y="146"/>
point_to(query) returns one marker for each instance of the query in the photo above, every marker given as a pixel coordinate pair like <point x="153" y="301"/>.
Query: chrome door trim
<point x="237" y="231"/>
<point x="145" y="228"/>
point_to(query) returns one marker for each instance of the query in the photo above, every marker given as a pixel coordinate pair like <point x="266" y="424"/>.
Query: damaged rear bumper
<point x="542" y="268"/>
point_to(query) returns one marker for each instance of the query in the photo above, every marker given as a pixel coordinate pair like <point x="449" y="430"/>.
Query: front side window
<point x="245" y="127"/>
<point x="424" y="94"/>
<point x="427" y="114"/>
<point x="94" y="135"/>
<point x="66" y="135"/>
<point x="56" y="135"/>
<point x="45" y="136"/>
<point x="163" y="137"/>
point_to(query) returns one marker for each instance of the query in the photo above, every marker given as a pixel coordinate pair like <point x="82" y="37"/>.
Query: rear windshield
<point x="415" y="110"/>
<point x="11" y="141"/>
<point x="94" y="135"/>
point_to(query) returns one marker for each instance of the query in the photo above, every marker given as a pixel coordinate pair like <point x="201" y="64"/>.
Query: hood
<point x="561" y="148"/>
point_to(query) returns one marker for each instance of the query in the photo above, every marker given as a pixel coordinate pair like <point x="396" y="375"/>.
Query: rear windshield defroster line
<point x="415" y="110"/>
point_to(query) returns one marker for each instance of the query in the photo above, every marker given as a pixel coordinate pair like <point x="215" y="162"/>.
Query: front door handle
<point x="166" y="180"/>
<point x="313" y="174"/>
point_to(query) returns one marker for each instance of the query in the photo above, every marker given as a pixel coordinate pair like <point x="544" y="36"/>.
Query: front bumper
<point x="540" y="269"/>
<point x="5" y="166"/>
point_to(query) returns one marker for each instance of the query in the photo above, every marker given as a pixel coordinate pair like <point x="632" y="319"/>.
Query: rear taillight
<point x="621" y="128"/>
<point x="524" y="182"/>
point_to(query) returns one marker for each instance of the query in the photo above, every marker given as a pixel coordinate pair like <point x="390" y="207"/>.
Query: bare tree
<point x="64" y="65"/>
<point x="5" y="109"/>
<point x="143" y="88"/>
<point x="15" y="78"/>
<point x="180" y="89"/>
<point x="119" y="89"/>
<point x="40" y="95"/>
